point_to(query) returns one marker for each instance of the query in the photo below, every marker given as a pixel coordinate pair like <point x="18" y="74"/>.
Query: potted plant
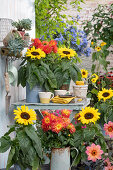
<point x="35" y="71"/>
<point x="22" y="25"/>
<point x="59" y="135"/>
<point x="25" y="145"/>
<point x="27" y="39"/>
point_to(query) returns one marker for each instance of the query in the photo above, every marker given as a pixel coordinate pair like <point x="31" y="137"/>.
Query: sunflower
<point x="94" y="78"/>
<point x="103" y="44"/>
<point x="24" y="115"/>
<point x="105" y="94"/>
<point x="66" y="53"/>
<point x="35" y="53"/>
<point x="97" y="48"/>
<point x="84" y="73"/>
<point x="89" y="114"/>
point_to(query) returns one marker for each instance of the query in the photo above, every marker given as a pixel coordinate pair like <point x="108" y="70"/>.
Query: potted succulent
<point x="22" y="25"/>
<point x="25" y="146"/>
<point x="26" y="39"/>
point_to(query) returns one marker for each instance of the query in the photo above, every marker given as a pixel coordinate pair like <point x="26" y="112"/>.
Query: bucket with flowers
<point x="45" y="68"/>
<point x="57" y="136"/>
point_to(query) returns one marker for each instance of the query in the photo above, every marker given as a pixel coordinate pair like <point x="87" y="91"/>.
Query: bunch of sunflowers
<point x="48" y="65"/>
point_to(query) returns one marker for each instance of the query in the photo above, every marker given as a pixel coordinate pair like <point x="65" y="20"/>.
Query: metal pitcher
<point x="60" y="159"/>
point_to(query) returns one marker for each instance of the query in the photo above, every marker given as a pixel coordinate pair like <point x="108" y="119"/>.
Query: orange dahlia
<point x="57" y="126"/>
<point x="66" y="121"/>
<point x="65" y="113"/>
<point x="94" y="152"/>
<point x="71" y="128"/>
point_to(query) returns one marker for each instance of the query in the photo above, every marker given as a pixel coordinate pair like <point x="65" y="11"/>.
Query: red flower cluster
<point x="45" y="46"/>
<point x="57" y="123"/>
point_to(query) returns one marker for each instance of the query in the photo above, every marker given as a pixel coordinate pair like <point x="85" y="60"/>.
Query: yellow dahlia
<point x="88" y="115"/>
<point x="97" y="48"/>
<point x="103" y="44"/>
<point x="24" y="115"/>
<point x="35" y="53"/>
<point x="66" y="52"/>
<point x="105" y="94"/>
<point x="84" y="73"/>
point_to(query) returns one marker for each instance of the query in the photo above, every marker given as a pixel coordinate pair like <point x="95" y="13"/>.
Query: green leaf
<point x="10" y="157"/>
<point x="30" y="131"/>
<point x="35" y="163"/>
<point x="88" y="133"/>
<point x="5" y="143"/>
<point x="94" y="91"/>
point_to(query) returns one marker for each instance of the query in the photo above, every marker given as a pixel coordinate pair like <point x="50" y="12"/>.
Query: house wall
<point x="12" y="9"/>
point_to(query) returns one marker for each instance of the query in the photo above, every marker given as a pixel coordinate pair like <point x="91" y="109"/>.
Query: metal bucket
<point x="32" y="94"/>
<point x="60" y="159"/>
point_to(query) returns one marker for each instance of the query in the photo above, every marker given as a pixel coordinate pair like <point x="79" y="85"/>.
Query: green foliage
<point x="25" y="147"/>
<point x="24" y="24"/>
<point x="48" y="15"/>
<point x="100" y="27"/>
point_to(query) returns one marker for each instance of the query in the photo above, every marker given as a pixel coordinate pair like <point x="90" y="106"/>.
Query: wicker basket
<point x="5" y="27"/>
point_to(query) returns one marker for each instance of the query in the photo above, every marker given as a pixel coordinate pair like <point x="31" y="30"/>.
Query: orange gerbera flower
<point x="57" y="126"/>
<point x="47" y="49"/>
<point x="94" y="152"/>
<point x="109" y="129"/>
<point x="65" y="113"/>
<point x="45" y="42"/>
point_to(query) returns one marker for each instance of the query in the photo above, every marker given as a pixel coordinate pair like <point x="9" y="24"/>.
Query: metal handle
<point x="75" y="156"/>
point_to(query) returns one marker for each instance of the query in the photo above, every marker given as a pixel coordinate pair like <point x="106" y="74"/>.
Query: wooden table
<point x="76" y="107"/>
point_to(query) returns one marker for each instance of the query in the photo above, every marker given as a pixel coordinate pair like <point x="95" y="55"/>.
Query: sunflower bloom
<point x="109" y="129"/>
<point x="84" y="73"/>
<point x="103" y="44"/>
<point x="94" y="78"/>
<point x="35" y="53"/>
<point x="94" y="152"/>
<point x="97" y="48"/>
<point x="105" y="94"/>
<point x="66" y="53"/>
<point x="24" y="115"/>
<point x="88" y="115"/>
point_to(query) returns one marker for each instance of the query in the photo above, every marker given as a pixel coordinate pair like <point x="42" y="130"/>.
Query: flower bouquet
<point x="48" y="66"/>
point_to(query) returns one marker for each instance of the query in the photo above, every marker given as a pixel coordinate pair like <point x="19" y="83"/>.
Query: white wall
<point x="12" y="9"/>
